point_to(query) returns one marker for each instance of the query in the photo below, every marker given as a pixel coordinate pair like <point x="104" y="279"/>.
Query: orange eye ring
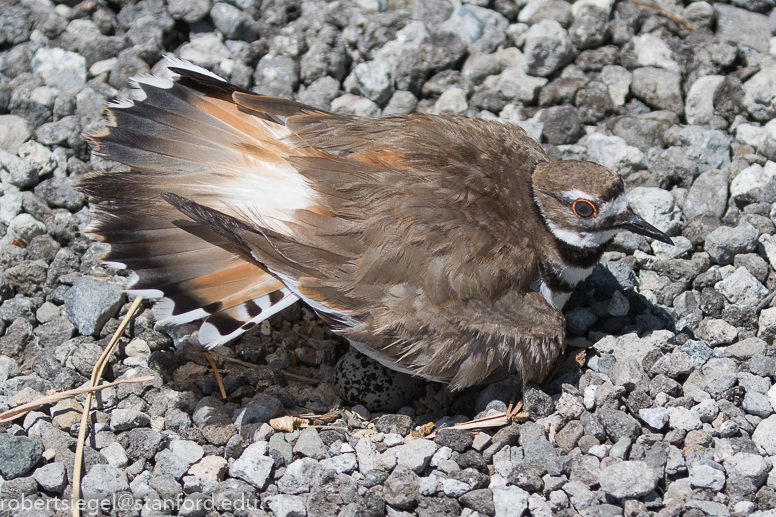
<point x="584" y="209"/>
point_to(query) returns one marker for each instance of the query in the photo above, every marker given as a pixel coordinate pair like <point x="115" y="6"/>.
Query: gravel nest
<point x="673" y="411"/>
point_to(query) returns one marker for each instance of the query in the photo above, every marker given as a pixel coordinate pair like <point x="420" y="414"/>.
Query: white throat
<point x="581" y="239"/>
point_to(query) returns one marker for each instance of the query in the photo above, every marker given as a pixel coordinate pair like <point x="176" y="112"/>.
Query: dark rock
<point x="562" y="125"/>
<point x="18" y="454"/>
<point x="457" y="439"/>
<point x="618" y="424"/>
<point x="399" y="424"/>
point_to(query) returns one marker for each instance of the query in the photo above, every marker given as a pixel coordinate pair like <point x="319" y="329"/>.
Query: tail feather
<point x="188" y="135"/>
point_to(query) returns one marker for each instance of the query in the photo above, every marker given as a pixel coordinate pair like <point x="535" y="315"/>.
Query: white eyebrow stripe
<point x="614" y="207"/>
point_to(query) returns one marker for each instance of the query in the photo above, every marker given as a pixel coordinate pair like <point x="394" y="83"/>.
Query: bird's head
<point x="584" y="205"/>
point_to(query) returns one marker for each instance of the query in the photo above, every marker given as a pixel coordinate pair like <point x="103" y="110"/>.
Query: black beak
<point x="636" y="224"/>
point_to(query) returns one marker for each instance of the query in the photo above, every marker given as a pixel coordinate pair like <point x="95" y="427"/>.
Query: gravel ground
<point x="672" y="413"/>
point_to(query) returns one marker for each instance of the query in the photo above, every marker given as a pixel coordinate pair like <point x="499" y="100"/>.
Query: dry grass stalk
<point x="681" y="20"/>
<point x="22" y="410"/>
<point x="102" y="362"/>
<point x="215" y="371"/>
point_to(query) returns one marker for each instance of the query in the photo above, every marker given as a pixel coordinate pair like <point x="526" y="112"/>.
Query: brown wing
<point x="417" y="247"/>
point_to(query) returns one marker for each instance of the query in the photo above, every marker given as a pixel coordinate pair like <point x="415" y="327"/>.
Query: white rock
<point x="509" y="501"/>
<point x="613" y="152"/>
<point x="604" y="5"/>
<point x="657" y="207"/>
<point x="751" y="135"/>
<point x="60" y="68"/>
<point x="764" y="435"/>
<point x="653" y="51"/>
<point x="699" y="106"/>
<point x="515" y="84"/>
<point x="207" y="51"/>
<point x="453" y="100"/>
<point x="617" y="80"/>
<point x="684" y="419"/>
<point x="753" y="178"/>
<point x="742" y="288"/>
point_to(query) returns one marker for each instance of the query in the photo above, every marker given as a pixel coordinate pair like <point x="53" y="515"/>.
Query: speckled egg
<point x="361" y="380"/>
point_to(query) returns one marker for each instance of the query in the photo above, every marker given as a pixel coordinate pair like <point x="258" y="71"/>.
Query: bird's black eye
<point x="584" y="208"/>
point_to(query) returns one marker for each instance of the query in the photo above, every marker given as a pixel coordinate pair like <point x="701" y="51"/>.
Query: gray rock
<point x="658" y="207"/>
<point x="415" y="455"/>
<point x="277" y="75"/>
<point x="261" y="408"/>
<point x="61" y="69"/>
<point x="764" y="435"/>
<point x="14" y="131"/>
<point x="189" y="11"/>
<point x="673" y="365"/>
<point x="656" y="418"/>
<point x="401" y="103"/>
<point x="707" y="196"/>
<point x="482" y="29"/>
<point x="18" y="454"/>
<point x="355" y="105"/>
<point x="51" y="477"/>
<point x="344" y="463"/>
<point x="716" y="332"/>
<point x="747" y="465"/>
<point x="628" y="479"/>
<point x="301" y="476"/>
<point x="588" y="30"/>
<point x="233" y="23"/>
<point x="59" y="193"/>
<point x="757" y="404"/>
<point x="746" y="349"/>
<point x="187" y="450"/>
<point x="168" y="464"/>
<point x="618" y="424"/>
<point x="91" y="302"/>
<point x="101" y="482"/>
<point x="19" y="173"/>
<point x="547" y="48"/>
<point x="253" y="465"/>
<point x="283" y="505"/>
<point x="649" y="50"/>
<point x="708" y="148"/>
<point x="402" y="488"/>
<point x="515" y="85"/>
<point x="579" y="319"/>
<point x="730" y="21"/>
<point x="618" y="305"/>
<point x="683" y="419"/>
<point x="509" y="501"/>
<point x="767" y="323"/>
<point x="742" y="288"/>
<point x="320" y="93"/>
<point x="707" y="474"/>
<point x="140" y="443"/>
<point x="699" y="108"/>
<point x="614" y="152"/>
<point x="123" y="419"/>
<point x="760" y="95"/>
<point x="309" y="444"/>
<point x="116" y="455"/>
<point x="710" y="508"/>
<point x="724" y="243"/>
<point x="371" y="79"/>
<point x="580" y="495"/>
<point x="658" y="88"/>
<point x="752" y="382"/>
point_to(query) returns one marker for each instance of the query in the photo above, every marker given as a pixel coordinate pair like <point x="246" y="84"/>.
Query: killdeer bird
<point x="441" y="246"/>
